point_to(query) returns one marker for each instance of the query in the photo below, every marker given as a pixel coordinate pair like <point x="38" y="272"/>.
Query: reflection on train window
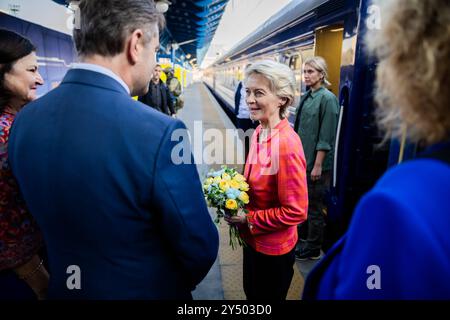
<point x="296" y="62"/>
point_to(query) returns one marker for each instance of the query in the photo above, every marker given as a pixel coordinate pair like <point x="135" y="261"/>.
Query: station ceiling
<point x="194" y="22"/>
<point x="191" y="24"/>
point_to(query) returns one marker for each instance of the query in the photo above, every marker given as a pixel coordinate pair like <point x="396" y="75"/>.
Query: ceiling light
<point x="162" y="6"/>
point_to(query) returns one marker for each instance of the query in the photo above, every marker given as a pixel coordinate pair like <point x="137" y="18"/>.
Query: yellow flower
<point x="217" y="180"/>
<point x="208" y="181"/>
<point x="243" y="196"/>
<point x="226" y="176"/>
<point x="239" y="178"/>
<point x="234" y="184"/>
<point x="224" y="185"/>
<point x="244" y="186"/>
<point x="231" y="204"/>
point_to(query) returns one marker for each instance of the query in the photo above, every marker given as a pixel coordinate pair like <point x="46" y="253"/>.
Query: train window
<point x="296" y="62"/>
<point x="307" y="53"/>
<point x="269" y="57"/>
<point x="284" y="58"/>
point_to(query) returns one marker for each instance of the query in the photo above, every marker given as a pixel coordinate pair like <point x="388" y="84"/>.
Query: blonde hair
<point x="413" y="76"/>
<point x="320" y="65"/>
<point x="281" y="79"/>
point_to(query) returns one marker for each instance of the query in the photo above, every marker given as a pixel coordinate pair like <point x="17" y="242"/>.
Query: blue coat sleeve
<point x="391" y="252"/>
<point x="186" y="222"/>
<point x="370" y="262"/>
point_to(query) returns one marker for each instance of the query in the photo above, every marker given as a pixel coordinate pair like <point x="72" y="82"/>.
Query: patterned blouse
<point x="20" y="237"/>
<point x="276" y="172"/>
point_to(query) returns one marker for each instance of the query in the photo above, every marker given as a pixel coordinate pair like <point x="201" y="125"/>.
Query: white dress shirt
<point x="102" y="70"/>
<point x="244" y="111"/>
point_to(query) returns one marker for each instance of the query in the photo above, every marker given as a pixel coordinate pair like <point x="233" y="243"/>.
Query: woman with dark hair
<point x="20" y="238"/>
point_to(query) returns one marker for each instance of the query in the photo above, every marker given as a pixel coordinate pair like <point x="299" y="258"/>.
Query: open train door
<point x="329" y="46"/>
<point x="360" y="159"/>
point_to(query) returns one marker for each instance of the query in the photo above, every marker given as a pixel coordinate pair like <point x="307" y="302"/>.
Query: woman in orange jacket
<point x="276" y="173"/>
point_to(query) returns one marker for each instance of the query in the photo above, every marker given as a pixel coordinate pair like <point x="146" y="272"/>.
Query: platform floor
<point x="224" y="281"/>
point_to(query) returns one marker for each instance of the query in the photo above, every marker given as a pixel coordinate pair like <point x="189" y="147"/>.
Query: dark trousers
<point x="13" y="288"/>
<point x="245" y="124"/>
<point x="312" y="230"/>
<point x="267" y="277"/>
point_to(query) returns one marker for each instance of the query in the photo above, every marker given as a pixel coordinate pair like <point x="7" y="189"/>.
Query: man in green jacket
<point x="175" y="89"/>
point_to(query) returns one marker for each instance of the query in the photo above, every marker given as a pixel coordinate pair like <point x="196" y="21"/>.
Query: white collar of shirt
<point x="102" y="70"/>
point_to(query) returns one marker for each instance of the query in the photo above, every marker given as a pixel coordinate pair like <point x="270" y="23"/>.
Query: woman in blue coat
<point x="398" y="242"/>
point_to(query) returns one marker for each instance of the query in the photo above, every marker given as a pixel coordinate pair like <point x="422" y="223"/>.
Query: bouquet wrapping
<point x="226" y="190"/>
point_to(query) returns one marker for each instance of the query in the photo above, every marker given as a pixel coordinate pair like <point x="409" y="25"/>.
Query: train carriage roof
<point x="289" y="14"/>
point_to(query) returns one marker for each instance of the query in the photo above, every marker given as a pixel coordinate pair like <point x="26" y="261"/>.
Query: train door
<point x="329" y="47"/>
<point x="360" y="160"/>
<point x="328" y="44"/>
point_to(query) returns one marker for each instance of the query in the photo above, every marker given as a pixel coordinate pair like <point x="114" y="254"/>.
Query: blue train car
<point x="335" y="30"/>
<point x="55" y="50"/>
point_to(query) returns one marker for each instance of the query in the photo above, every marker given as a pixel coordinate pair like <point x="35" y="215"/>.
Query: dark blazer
<point x="95" y="169"/>
<point x="166" y="99"/>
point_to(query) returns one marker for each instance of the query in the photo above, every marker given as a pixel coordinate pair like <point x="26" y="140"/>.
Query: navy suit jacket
<point x="95" y="169"/>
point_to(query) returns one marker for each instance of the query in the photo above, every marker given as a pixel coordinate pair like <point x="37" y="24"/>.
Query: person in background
<point x="276" y="173"/>
<point x="316" y="124"/>
<point x="20" y="236"/>
<point x="175" y="89"/>
<point x="242" y="113"/>
<point x="158" y="95"/>
<point x="121" y="216"/>
<point x="398" y="244"/>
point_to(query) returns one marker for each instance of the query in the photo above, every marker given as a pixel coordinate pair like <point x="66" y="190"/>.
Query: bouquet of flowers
<point x="226" y="190"/>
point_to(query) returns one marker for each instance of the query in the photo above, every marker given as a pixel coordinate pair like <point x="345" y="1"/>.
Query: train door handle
<point x="336" y="145"/>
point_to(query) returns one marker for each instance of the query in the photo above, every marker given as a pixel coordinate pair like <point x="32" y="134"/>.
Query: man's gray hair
<point x="105" y="24"/>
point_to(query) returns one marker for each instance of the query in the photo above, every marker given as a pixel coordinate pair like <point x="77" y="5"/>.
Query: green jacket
<point x="316" y="125"/>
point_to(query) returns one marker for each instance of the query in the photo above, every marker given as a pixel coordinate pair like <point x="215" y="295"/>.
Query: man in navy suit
<point x="120" y="219"/>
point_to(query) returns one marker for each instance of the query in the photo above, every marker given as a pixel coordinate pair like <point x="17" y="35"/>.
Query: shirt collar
<point x="8" y="111"/>
<point x="156" y="84"/>
<point x="279" y="127"/>
<point x="315" y="93"/>
<point x="102" y="70"/>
